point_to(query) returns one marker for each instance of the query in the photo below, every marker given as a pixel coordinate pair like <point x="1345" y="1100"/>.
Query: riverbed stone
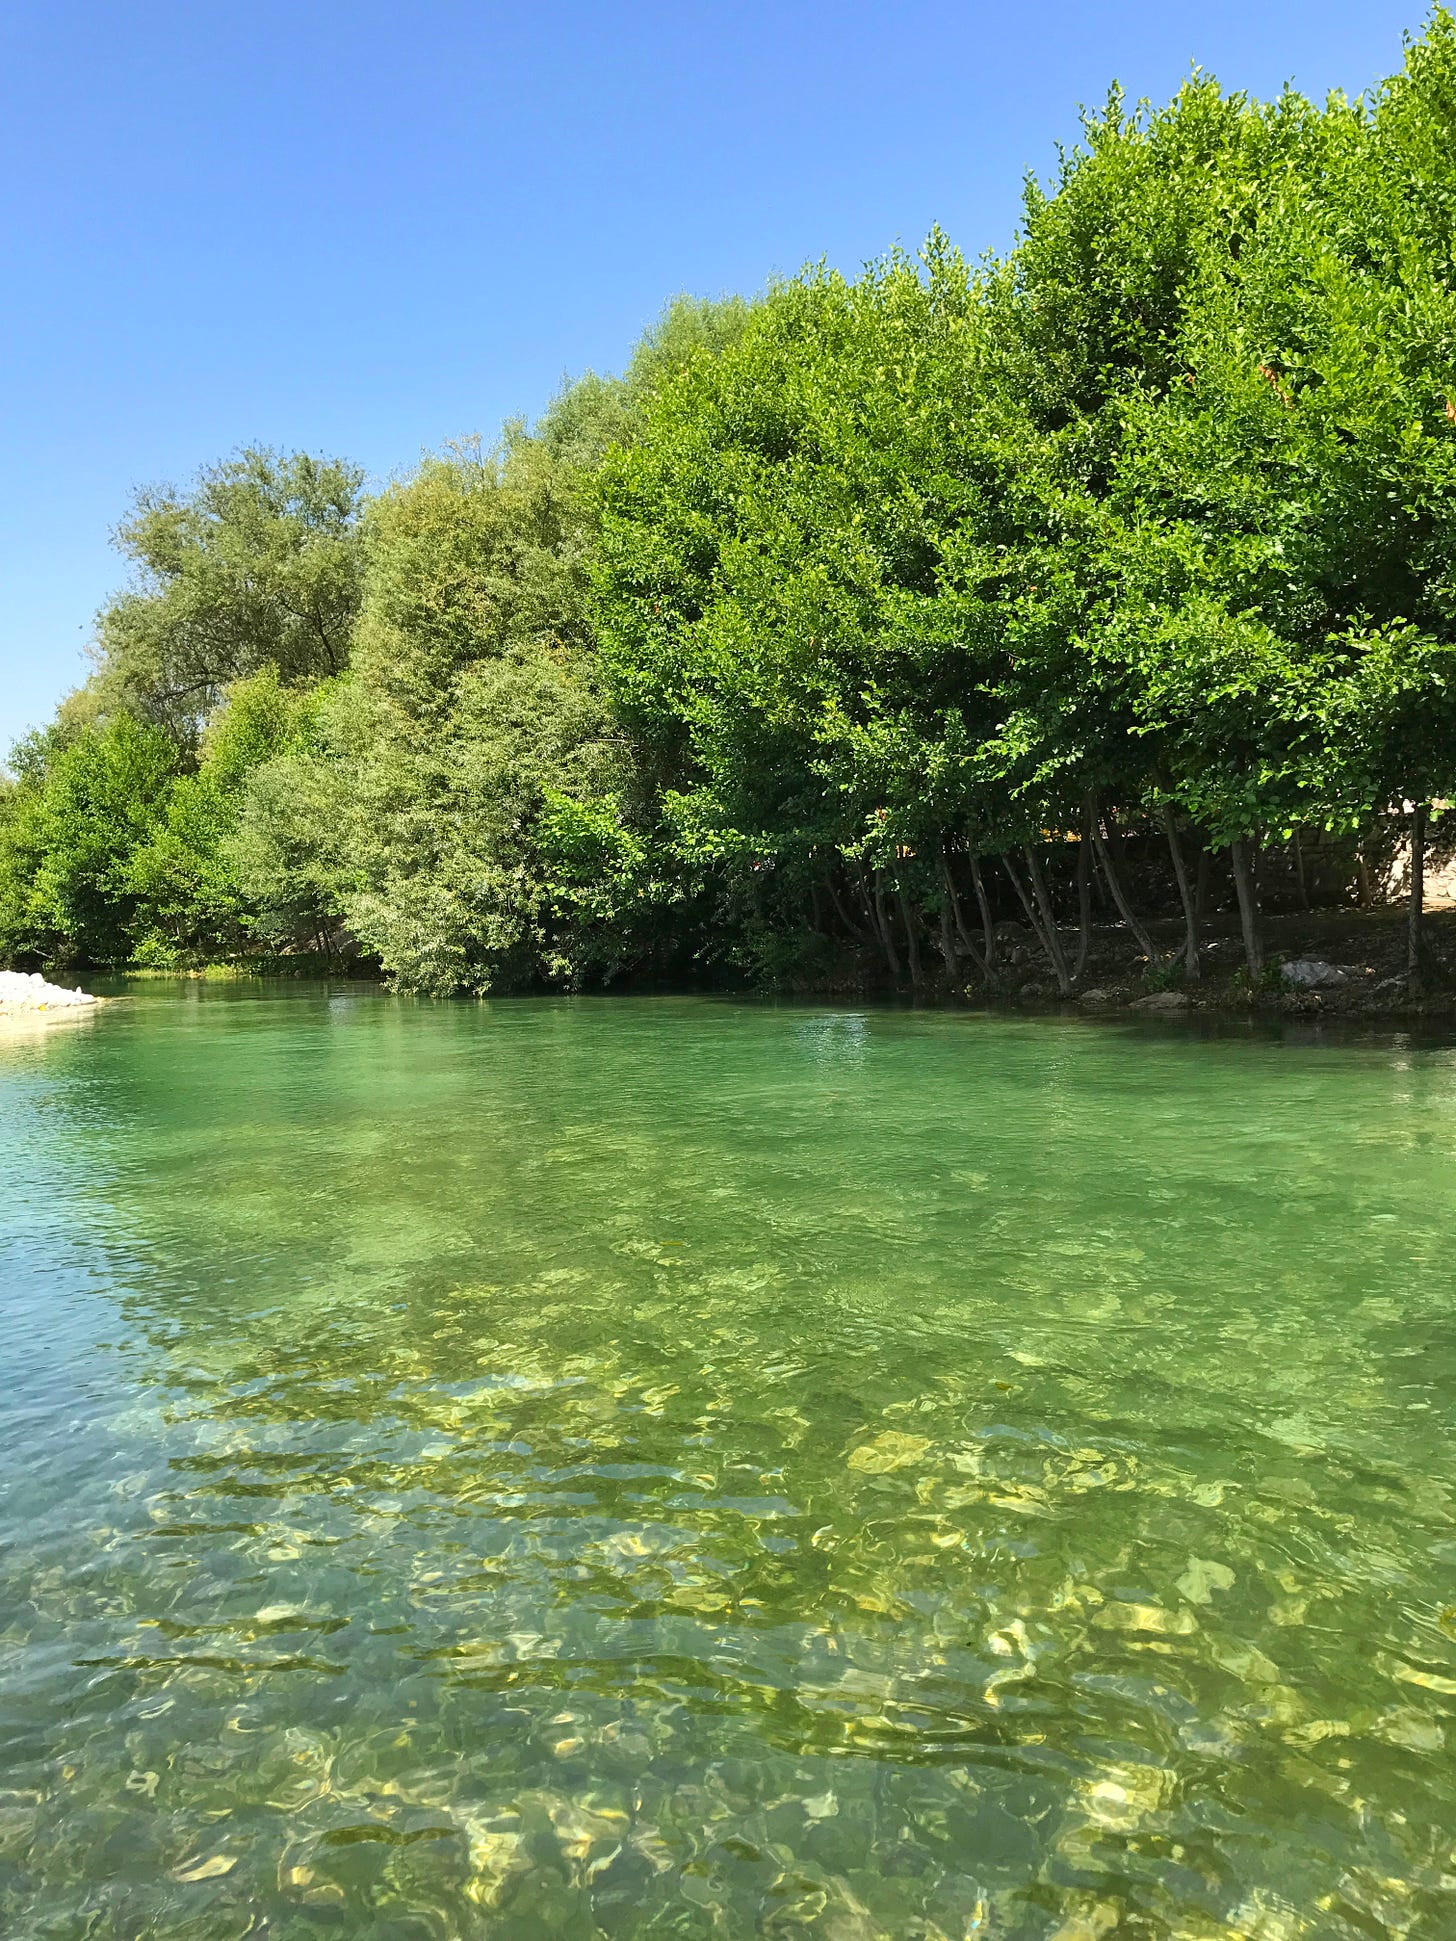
<point x="1163" y="1001"/>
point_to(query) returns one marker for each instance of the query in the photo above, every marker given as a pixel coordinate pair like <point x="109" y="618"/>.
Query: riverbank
<point x="1341" y="963"/>
<point x="1337" y="963"/>
<point x="29" y="1001"/>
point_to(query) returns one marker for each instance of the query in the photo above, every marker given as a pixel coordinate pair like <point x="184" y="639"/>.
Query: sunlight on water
<point x="676" y="1467"/>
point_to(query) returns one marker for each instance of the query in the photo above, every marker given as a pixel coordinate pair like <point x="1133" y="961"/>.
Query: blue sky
<point x="366" y="229"/>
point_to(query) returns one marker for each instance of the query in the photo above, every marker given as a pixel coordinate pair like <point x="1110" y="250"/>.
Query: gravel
<point x="29" y="991"/>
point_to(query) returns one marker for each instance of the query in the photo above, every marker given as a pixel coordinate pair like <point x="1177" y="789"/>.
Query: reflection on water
<point x="668" y="1467"/>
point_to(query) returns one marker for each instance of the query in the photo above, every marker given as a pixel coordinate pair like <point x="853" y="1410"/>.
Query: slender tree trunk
<point x="892" y="956"/>
<point x="988" y="929"/>
<point x="1048" y="939"/>
<point x="861" y="883"/>
<point x="1247" y="885"/>
<point x="953" y="902"/>
<point x="1114" y="881"/>
<point x="1084" y="897"/>
<point x="1115" y="841"/>
<point x="1020" y="889"/>
<point x="1049" y="919"/>
<point x="1185" y="891"/>
<point x="949" y="949"/>
<point x="1101" y="900"/>
<point x="962" y="933"/>
<point x="912" y="941"/>
<point x="1415" y="952"/>
<point x="1299" y="870"/>
<point x="844" y="917"/>
<point x="874" y="915"/>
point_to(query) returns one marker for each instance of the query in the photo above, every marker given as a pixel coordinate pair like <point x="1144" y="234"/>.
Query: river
<point x="658" y="1466"/>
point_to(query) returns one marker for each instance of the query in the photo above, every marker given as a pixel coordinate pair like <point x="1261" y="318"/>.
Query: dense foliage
<point x="846" y="621"/>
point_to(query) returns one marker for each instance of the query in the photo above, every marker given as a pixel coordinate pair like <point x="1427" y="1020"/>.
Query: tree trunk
<point x="1115" y="842"/>
<point x="988" y="929"/>
<point x="1049" y="941"/>
<point x="1084" y="897"/>
<point x="1020" y="889"/>
<point x="1113" y="878"/>
<point x="1102" y="902"/>
<point x="844" y="917"/>
<point x="1415" y="951"/>
<point x="892" y="956"/>
<point x="1246" y="883"/>
<point x="1049" y="919"/>
<point x="963" y="935"/>
<point x="861" y="884"/>
<point x="1185" y="891"/>
<point x="912" y="941"/>
<point x="949" y="949"/>
<point x="1299" y="870"/>
<point x="874" y="908"/>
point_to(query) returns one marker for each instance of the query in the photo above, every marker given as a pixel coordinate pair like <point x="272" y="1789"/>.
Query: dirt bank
<point x="1335" y="963"/>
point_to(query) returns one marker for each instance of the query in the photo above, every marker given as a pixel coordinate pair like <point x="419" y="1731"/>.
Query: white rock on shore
<point x="29" y="991"/>
<point x="1313" y="974"/>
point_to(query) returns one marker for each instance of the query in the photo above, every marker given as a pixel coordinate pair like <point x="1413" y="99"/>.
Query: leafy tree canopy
<point x="257" y="565"/>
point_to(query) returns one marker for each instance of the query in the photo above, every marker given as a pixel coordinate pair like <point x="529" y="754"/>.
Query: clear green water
<point x="680" y="1467"/>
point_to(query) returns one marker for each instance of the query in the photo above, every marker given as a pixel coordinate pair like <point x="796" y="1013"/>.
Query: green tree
<point x="257" y="565"/>
<point x="592" y="413"/>
<point x="472" y="719"/>
<point x="1280" y="562"/>
<point x="191" y="902"/>
<point x="71" y="827"/>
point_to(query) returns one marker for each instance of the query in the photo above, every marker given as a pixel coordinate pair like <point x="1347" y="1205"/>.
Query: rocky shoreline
<point x="1348" y="965"/>
<point x="27" y="992"/>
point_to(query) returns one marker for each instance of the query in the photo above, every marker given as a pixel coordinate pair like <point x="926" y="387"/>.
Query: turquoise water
<point x="679" y="1467"/>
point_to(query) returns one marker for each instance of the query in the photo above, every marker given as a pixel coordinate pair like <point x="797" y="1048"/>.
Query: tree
<point x="1281" y="565"/>
<point x="191" y="900"/>
<point x="593" y="413"/>
<point x="258" y="565"/>
<point x="471" y="721"/>
<point x="845" y="621"/>
<point x="72" y="825"/>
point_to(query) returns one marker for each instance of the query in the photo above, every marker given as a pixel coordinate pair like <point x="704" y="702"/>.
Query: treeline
<point x="846" y="622"/>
